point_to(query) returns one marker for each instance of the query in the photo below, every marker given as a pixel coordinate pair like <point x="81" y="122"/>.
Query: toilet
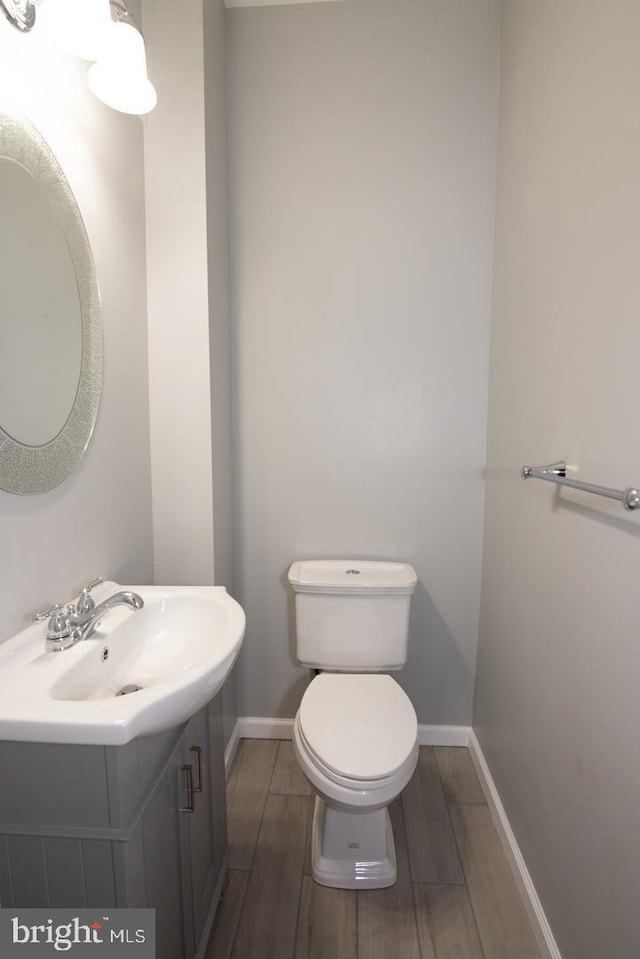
<point x="356" y="733"/>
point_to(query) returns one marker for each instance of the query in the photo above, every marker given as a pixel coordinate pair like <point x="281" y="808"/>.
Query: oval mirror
<point x="50" y="322"/>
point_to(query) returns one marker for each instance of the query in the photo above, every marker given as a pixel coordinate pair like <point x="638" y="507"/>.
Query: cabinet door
<point x="148" y="866"/>
<point x="201" y="865"/>
<point x="218" y="777"/>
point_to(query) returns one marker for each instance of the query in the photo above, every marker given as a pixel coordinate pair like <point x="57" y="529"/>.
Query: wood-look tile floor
<point x="455" y="897"/>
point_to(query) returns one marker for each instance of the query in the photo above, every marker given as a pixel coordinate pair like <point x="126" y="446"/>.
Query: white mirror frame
<point x="37" y="469"/>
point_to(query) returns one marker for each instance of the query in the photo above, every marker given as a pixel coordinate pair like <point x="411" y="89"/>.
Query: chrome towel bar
<point x="557" y="473"/>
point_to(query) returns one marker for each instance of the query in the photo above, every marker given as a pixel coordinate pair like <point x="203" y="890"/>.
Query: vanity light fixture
<point x="119" y="78"/>
<point x="21" y="13"/>
<point x="125" y="54"/>
<point x="99" y="30"/>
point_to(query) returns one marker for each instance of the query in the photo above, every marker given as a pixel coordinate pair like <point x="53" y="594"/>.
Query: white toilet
<point x="356" y="732"/>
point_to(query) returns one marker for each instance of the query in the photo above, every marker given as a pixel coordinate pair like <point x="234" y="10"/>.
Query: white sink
<point x="178" y="649"/>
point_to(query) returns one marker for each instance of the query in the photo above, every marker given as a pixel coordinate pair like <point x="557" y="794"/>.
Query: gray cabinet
<point x="136" y="825"/>
<point x="200" y="852"/>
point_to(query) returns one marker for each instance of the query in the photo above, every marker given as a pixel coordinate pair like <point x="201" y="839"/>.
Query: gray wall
<point x="557" y="705"/>
<point x="362" y="147"/>
<point x="99" y="520"/>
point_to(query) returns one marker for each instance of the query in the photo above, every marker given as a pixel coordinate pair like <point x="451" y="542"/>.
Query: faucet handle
<point x="45" y="613"/>
<point x="86" y="602"/>
<point x="58" y="625"/>
<point x="94" y="582"/>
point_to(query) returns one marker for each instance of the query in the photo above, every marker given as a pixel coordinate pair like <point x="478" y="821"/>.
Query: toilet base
<point x="352" y="850"/>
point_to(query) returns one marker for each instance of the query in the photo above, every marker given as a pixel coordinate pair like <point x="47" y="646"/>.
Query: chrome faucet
<point x="69" y="626"/>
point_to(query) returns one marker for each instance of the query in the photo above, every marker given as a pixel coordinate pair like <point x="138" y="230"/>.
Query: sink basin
<point x="139" y="672"/>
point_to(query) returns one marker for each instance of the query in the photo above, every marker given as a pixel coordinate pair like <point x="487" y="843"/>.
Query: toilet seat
<point x="360" y="730"/>
<point x="361" y="791"/>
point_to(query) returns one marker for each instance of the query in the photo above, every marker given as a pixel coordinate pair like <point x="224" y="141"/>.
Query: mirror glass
<point x="50" y="324"/>
<point x="41" y="331"/>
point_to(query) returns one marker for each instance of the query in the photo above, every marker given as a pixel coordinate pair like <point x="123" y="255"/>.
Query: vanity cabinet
<point x="202" y="850"/>
<point x="137" y="825"/>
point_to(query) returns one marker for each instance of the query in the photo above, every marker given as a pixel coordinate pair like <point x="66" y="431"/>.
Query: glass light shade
<point x="120" y="78"/>
<point x="81" y="27"/>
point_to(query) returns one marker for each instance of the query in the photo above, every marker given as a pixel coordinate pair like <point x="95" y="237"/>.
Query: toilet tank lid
<point x="352" y="576"/>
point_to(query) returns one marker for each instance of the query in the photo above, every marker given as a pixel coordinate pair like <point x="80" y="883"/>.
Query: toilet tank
<point x="352" y="615"/>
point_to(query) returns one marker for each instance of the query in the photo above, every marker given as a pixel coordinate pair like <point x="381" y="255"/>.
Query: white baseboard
<point x="541" y="927"/>
<point x="443" y="735"/>
<point x="263" y="727"/>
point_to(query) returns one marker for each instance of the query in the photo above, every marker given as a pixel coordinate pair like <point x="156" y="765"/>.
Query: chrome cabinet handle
<point x="190" y="807"/>
<point x="198" y="751"/>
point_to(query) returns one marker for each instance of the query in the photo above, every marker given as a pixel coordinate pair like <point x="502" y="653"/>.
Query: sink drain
<point x="129" y="688"/>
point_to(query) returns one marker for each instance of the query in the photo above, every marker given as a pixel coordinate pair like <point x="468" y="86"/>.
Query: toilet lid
<point x="359" y="726"/>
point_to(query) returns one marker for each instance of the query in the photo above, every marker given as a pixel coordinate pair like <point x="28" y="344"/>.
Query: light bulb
<point x="81" y="27"/>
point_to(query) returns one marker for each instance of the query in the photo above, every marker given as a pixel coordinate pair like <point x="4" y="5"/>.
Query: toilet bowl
<point x="355" y="734"/>
<point x="355" y="738"/>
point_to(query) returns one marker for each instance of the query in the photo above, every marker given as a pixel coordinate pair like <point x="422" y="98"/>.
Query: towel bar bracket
<point x="556" y="469"/>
